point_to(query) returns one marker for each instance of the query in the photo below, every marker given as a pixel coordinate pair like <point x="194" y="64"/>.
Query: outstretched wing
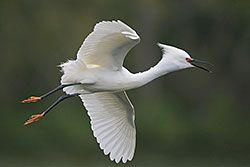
<point x="112" y="121"/>
<point x="108" y="44"/>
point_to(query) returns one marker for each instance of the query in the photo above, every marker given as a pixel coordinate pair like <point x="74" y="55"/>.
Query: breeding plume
<point x="98" y="77"/>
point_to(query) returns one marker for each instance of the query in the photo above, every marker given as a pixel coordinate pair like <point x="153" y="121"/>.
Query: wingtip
<point x="124" y="160"/>
<point x="160" y="45"/>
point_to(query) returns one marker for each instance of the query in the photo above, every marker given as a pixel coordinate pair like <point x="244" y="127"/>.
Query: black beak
<point x="194" y="61"/>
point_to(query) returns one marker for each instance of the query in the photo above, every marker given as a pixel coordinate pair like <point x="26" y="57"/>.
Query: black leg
<point x="60" y="99"/>
<point x="58" y="88"/>
<point x="38" y="98"/>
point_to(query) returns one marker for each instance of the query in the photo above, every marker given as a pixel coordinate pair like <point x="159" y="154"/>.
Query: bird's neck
<point x="160" y="69"/>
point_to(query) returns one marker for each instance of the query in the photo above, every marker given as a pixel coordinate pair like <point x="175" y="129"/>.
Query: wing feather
<point x="108" y="45"/>
<point x="112" y="121"/>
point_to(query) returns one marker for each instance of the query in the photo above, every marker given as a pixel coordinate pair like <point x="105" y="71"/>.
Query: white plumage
<point x="99" y="67"/>
<point x="99" y="78"/>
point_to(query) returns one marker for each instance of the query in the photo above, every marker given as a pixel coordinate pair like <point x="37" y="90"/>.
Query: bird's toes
<point x="32" y="99"/>
<point x="34" y="118"/>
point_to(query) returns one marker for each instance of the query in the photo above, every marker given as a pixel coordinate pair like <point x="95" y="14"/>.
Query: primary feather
<point x="112" y="121"/>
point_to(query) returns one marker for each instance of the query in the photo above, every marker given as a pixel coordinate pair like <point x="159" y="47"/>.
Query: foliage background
<point x="187" y="118"/>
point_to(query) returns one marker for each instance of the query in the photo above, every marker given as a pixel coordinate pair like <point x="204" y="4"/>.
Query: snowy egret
<point x="98" y="77"/>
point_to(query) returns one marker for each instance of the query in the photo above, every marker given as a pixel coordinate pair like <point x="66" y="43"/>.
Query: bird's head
<point x="177" y="59"/>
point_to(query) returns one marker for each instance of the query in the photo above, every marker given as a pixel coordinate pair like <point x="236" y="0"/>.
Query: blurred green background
<point x="187" y="118"/>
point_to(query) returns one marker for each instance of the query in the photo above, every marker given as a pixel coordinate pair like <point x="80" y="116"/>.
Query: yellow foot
<point x="34" y="118"/>
<point x="32" y="99"/>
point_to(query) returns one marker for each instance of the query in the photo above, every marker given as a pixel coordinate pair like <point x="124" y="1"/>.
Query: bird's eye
<point x="189" y="59"/>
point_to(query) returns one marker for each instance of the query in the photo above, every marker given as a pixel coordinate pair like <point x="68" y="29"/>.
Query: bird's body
<point x="98" y="77"/>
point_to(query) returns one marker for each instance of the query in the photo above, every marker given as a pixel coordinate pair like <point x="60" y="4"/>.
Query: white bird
<point x="98" y="77"/>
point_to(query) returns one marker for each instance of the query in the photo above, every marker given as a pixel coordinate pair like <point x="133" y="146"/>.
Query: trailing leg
<point x="37" y="117"/>
<point x="33" y="99"/>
